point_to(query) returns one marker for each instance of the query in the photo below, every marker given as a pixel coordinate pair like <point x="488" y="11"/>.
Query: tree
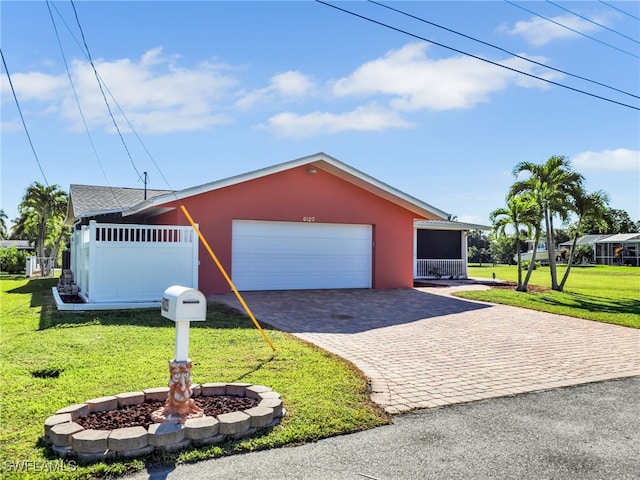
<point x="552" y="184"/>
<point x="3" y="225"/>
<point x="618" y="221"/>
<point x="521" y="211"/>
<point x="585" y="205"/>
<point x="478" y="247"/>
<point x="41" y="211"/>
<point x="613" y="221"/>
<point x="503" y="248"/>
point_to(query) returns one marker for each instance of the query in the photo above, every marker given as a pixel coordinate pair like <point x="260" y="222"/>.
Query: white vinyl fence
<point x="133" y="263"/>
<point x="40" y="266"/>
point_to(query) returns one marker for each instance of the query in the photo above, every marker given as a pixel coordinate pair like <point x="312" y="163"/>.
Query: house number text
<point x="308" y="219"/>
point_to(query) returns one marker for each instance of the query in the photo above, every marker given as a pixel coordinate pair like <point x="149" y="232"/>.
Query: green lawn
<point x="595" y="292"/>
<point x="104" y="353"/>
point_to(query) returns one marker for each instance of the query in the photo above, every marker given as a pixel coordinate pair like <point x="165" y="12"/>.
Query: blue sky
<point x="214" y="89"/>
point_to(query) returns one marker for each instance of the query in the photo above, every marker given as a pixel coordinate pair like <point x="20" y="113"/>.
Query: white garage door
<point x="294" y="256"/>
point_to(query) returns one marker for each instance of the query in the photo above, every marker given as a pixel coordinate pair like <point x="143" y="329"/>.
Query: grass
<point x="52" y="359"/>
<point x="594" y="292"/>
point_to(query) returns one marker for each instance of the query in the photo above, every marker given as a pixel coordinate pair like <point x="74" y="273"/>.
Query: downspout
<point x="415" y="252"/>
<point x="91" y="281"/>
<point x="465" y="257"/>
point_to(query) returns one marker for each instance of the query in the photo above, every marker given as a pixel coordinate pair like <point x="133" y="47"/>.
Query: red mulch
<point x="140" y="415"/>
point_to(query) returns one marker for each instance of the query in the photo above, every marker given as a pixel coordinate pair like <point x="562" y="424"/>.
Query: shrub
<point x="12" y="260"/>
<point x="524" y="265"/>
<point x="435" y="272"/>
<point x="583" y="254"/>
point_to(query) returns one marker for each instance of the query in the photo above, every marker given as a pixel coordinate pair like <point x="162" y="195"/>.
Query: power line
<point x="503" y="50"/>
<point x="102" y="91"/>
<point x="75" y="94"/>
<point x="24" y="124"/>
<point x="115" y="101"/>
<point x="591" y="21"/>
<point x="619" y="9"/>
<point x="571" y="29"/>
<point x="475" y="56"/>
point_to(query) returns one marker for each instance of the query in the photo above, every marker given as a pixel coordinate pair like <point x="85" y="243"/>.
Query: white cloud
<point x="288" y="85"/>
<point x="619" y="160"/>
<point x="539" y="31"/>
<point x="156" y="95"/>
<point x="291" y="84"/>
<point x="416" y="82"/>
<point x="11" y="125"/>
<point x="366" y="118"/>
<point x="34" y="86"/>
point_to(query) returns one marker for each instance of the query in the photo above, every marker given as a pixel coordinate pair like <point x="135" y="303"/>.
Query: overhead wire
<point x="377" y="22"/>
<point x="75" y="95"/>
<point x="115" y="124"/>
<point x="24" y="123"/>
<point x="619" y="10"/>
<point x="564" y="72"/>
<point x="115" y="101"/>
<point x="571" y="29"/>
<point x="591" y="21"/>
<point x="173" y="192"/>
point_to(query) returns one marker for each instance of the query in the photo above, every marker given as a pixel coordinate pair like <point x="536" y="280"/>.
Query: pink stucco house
<point x="310" y="223"/>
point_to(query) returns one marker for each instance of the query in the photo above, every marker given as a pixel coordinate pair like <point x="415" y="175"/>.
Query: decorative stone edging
<point x="70" y="440"/>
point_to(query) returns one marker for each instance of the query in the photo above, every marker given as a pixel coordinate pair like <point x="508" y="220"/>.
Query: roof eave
<point x="449" y="225"/>
<point x="319" y="160"/>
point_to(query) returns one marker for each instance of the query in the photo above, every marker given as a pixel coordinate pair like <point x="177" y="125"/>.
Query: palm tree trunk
<point x="551" y="251"/>
<point x="570" y="261"/>
<point x="56" y="247"/>
<point x="532" y="261"/>
<point x="519" y="287"/>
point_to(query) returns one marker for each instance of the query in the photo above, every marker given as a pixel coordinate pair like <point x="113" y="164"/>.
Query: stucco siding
<point x="296" y="195"/>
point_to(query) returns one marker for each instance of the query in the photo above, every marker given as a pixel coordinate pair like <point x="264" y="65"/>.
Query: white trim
<point x="320" y="161"/>
<point x="86" y="307"/>
<point x="448" y="225"/>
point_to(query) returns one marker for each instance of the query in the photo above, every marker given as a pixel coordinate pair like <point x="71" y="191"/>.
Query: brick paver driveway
<point x="423" y="348"/>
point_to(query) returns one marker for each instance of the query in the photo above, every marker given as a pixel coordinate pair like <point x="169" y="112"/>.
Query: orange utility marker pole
<point x="226" y="276"/>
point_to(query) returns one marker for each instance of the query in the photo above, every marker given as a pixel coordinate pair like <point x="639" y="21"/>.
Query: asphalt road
<point x="584" y="432"/>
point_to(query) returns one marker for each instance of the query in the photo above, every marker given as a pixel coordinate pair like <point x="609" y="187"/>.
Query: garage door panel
<point x="287" y="255"/>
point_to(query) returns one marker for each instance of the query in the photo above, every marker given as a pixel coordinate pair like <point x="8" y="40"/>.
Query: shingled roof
<point x="87" y="200"/>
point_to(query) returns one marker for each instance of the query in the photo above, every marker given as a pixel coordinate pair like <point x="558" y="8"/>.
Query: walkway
<point x="423" y="348"/>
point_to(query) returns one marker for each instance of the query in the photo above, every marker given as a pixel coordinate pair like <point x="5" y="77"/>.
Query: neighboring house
<point x="311" y="223"/>
<point x="618" y="249"/>
<point x="19" y="244"/>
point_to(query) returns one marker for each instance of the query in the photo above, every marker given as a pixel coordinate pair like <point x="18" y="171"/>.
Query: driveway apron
<point x="423" y="348"/>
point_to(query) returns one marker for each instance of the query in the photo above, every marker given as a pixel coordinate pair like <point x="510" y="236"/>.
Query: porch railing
<point x="436" y="268"/>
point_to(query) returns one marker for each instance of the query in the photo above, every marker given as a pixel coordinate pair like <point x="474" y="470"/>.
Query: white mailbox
<point x="184" y="304"/>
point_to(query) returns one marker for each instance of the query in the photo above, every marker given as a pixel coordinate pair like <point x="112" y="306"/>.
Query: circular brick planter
<point x="69" y="440"/>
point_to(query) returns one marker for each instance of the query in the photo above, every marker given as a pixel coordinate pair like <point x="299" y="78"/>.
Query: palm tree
<point x="521" y="212"/>
<point x="41" y="205"/>
<point x="586" y="206"/>
<point x="552" y="183"/>
<point x="3" y="225"/>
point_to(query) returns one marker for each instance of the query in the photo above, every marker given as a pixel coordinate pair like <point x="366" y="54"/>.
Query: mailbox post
<point x="182" y="305"/>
